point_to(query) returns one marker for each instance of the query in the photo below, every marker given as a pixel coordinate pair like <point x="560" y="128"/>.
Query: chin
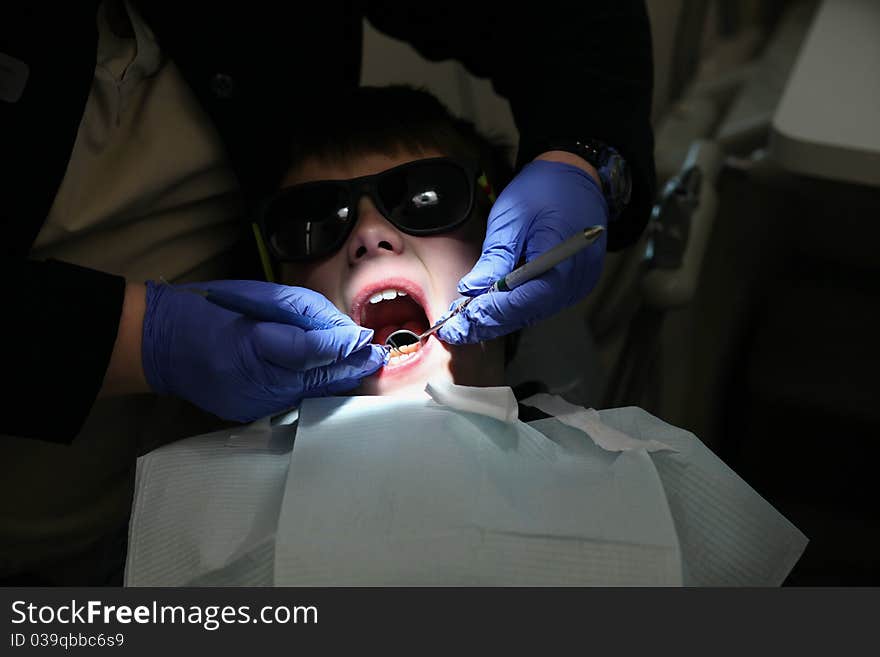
<point x="407" y="375"/>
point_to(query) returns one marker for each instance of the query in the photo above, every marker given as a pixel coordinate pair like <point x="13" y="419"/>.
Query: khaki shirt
<point x="148" y="193"/>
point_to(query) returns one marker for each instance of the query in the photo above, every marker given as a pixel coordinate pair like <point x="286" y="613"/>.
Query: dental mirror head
<point x="402" y="338"/>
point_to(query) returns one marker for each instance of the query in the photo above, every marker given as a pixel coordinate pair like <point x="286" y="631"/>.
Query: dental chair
<point x="748" y="308"/>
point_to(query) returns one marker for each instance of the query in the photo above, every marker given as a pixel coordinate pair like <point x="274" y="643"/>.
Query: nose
<point x="373" y="235"/>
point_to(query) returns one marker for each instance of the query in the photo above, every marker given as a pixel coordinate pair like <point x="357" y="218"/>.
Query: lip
<point x="394" y="283"/>
<point x="414" y="290"/>
<point x="393" y="371"/>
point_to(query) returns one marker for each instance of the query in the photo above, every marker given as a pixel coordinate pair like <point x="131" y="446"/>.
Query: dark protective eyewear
<point x="424" y="197"/>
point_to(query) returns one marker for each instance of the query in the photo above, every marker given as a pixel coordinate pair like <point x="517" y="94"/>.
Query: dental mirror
<point x="401" y="338"/>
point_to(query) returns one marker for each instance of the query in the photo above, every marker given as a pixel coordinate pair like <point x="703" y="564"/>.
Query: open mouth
<point x="389" y="309"/>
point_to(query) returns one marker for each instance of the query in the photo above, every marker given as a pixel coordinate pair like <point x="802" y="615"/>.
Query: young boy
<point x="383" y="210"/>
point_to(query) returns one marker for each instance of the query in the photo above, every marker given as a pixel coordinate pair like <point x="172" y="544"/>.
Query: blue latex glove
<point x="242" y="369"/>
<point x="545" y="204"/>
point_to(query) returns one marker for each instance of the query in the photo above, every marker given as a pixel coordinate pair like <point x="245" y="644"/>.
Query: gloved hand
<point x="545" y="204"/>
<point x="242" y="369"/>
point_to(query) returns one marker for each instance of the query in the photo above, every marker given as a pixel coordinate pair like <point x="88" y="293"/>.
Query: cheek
<point x="470" y="238"/>
<point x="463" y="247"/>
<point x="470" y="253"/>
<point x="449" y="258"/>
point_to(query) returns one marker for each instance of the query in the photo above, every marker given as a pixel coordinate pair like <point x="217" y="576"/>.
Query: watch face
<point x="620" y="184"/>
<point x="613" y="170"/>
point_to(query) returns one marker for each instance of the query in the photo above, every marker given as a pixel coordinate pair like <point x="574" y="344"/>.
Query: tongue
<point x="394" y="314"/>
<point x="382" y="334"/>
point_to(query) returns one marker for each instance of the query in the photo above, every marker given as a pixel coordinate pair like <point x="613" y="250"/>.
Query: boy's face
<point x="378" y="258"/>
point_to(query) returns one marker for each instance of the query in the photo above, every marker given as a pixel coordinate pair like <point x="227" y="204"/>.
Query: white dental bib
<point x="378" y="491"/>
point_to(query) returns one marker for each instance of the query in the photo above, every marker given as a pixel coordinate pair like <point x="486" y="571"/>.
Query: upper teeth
<point x="387" y="295"/>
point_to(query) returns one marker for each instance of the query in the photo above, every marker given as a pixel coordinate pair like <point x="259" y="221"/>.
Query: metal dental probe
<point x="532" y="269"/>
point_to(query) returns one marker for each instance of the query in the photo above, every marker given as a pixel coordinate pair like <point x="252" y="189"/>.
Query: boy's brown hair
<point x="392" y="119"/>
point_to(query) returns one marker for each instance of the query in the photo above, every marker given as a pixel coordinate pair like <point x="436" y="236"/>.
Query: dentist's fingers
<point x="298" y="350"/>
<point x="296" y="300"/>
<point x="490" y="316"/>
<point x="360" y="364"/>
<point x="334" y="388"/>
<point x="496" y="261"/>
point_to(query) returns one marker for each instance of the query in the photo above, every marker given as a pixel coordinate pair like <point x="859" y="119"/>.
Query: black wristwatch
<point x="612" y="168"/>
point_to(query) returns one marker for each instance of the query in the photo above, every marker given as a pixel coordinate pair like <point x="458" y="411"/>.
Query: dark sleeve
<point x="569" y="70"/>
<point x="57" y="334"/>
